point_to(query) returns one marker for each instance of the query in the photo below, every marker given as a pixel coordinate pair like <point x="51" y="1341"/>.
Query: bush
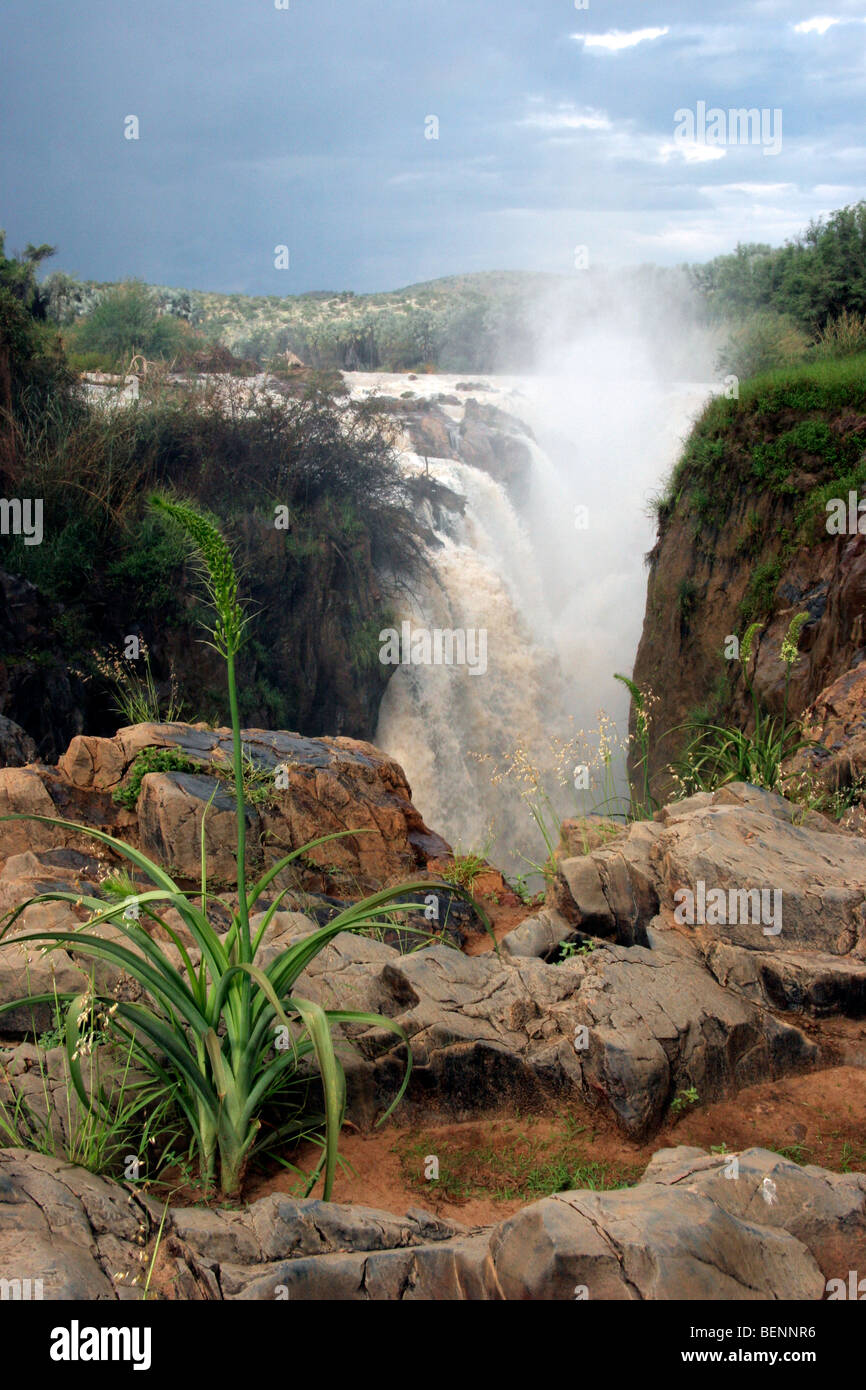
<point x="842" y="336"/>
<point x="813" y="279"/>
<point x="126" y="321"/>
<point x="761" y="342"/>
<point x="151" y="760"/>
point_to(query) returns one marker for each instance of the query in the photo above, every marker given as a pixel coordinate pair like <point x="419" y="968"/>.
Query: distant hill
<point x="485" y="321"/>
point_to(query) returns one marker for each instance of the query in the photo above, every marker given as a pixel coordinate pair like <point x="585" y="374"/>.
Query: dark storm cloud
<point x="306" y="126"/>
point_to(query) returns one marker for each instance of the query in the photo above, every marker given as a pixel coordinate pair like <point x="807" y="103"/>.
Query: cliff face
<point x="743" y="537"/>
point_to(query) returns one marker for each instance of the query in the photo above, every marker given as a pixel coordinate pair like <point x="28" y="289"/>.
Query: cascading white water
<point x="561" y="602"/>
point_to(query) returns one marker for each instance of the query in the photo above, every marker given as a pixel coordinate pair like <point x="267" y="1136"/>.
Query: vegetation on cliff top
<point x="794" y="432"/>
<point x="110" y="570"/>
<point x="781" y="305"/>
<point x="789" y="424"/>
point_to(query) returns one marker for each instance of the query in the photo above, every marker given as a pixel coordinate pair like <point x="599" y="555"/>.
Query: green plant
<point x="94" y="1137"/>
<point x="644" y="808"/>
<point x="136" y="697"/>
<point x="224" y="1038"/>
<point x="684" y="1099"/>
<point x="687" y="599"/>
<point x="842" y="335"/>
<point x="259" y="785"/>
<point x="528" y="896"/>
<point x="152" y="760"/>
<point x="464" y="870"/>
<point x="757" y="602"/>
<point x="796" y="1153"/>
<point x="569" y="949"/>
<point x="126" y="321"/>
<point x="716" y="754"/>
<point x="764" y="340"/>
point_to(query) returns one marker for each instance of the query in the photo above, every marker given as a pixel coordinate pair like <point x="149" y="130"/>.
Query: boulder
<point x="16" y="747"/>
<point x="622" y="1028"/>
<point x="581" y="834"/>
<point x="647" y="1243"/>
<point x="657" y="1022"/>
<point x="76" y="1235"/>
<point x="824" y="1211"/>
<point x="304" y="789"/>
<point x="538" y="935"/>
<point x="800" y="948"/>
<point x="835" y="725"/>
<point x="498" y="443"/>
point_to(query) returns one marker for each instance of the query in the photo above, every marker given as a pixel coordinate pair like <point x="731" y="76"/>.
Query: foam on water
<point x="562" y="606"/>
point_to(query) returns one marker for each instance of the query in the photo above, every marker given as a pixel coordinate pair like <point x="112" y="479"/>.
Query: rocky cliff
<point x="743" y="538"/>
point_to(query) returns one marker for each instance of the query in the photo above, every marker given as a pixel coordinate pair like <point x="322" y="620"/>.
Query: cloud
<point x="690" y="151"/>
<point x="819" y="25"/>
<point x="617" y="39"/>
<point x="566" y="116"/>
<point x="822" y="23"/>
<point x="749" y="190"/>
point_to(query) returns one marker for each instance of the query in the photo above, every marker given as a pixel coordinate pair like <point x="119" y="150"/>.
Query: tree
<point x="27" y="357"/>
<point x="127" y="321"/>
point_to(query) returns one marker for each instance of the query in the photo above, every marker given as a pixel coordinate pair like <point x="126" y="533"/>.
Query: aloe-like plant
<point x="226" y="1037"/>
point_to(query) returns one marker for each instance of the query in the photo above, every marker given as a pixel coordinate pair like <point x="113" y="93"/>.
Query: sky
<point x="311" y="127"/>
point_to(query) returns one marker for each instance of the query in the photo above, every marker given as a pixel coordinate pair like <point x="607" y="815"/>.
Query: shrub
<point x="127" y="321"/>
<point x="761" y="342"/>
<point x="151" y="760"/>
<point x="842" y="335"/>
<point x="716" y="755"/>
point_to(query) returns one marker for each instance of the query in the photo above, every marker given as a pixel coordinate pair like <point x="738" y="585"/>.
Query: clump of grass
<point x="841" y="336"/>
<point x="464" y="870"/>
<point x="716" y="754"/>
<point x="135" y="695"/>
<point x="97" y="1137"/>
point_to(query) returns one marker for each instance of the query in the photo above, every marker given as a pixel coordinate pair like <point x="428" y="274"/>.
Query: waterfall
<point x="558" y="590"/>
